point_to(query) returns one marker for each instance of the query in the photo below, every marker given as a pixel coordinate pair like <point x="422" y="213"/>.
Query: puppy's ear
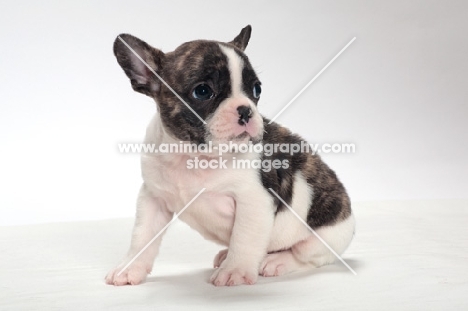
<point x="243" y="38"/>
<point x="142" y="78"/>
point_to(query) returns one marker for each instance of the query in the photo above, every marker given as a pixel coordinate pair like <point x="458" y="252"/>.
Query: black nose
<point x="244" y="114"/>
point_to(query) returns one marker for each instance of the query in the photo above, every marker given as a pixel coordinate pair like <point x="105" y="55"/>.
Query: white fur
<point x="338" y="236"/>
<point x="311" y="252"/>
<point x="235" y="65"/>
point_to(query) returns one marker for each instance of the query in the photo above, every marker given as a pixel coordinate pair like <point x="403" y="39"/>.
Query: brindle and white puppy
<point x="261" y="235"/>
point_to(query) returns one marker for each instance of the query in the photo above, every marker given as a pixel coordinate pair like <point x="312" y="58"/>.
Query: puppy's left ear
<point x="243" y="38"/>
<point x="142" y="78"/>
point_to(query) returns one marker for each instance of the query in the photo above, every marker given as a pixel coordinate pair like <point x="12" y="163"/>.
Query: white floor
<point x="409" y="255"/>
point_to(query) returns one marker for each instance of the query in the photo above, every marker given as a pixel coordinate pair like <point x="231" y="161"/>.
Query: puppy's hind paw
<point x="280" y="263"/>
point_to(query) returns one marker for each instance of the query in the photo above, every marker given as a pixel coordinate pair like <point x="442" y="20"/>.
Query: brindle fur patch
<point x="330" y="202"/>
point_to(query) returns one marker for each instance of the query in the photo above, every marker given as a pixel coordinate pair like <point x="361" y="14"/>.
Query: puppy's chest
<point x="172" y="174"/>
<point x="172" y="178"/>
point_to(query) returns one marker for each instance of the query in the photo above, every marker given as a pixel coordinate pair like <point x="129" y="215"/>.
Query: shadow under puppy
<point x="237" y="210"/>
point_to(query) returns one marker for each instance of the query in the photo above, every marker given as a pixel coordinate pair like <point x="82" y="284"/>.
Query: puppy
<point x="237" y="210"/>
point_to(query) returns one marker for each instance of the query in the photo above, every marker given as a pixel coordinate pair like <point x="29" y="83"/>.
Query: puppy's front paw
<point x="133" y="275"/>
<point x="227" y="276"/>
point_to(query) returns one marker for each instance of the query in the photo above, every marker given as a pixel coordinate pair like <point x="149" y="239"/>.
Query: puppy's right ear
<point x="143" y="80"/>
<point x="243" y="38"/>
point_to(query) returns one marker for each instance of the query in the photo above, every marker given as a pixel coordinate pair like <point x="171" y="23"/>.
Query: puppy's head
<point x="214" y="79"/>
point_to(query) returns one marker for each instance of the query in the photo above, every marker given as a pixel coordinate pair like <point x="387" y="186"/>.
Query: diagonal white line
<point x="311" y="81"/>
<point x="160" y="232"/>
<point x="313" y="231"/>
<point x="162" y="80"/>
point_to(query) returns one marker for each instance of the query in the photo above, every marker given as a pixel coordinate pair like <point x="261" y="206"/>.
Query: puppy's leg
<point x="249" y="239"/>
<point x="311" y="252"/>
<point x="337" y="236"/>
<point x="151" y="216"/>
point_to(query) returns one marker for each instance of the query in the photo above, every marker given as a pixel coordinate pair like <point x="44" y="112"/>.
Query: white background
<point x="399" y="93"/>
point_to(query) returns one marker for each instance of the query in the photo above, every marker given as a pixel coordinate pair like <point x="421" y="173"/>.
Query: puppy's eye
<point x="257" y="90"/>
<point x="202" y="92"/>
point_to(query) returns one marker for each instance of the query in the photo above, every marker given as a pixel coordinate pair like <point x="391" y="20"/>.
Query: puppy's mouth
<point x="242" y="136"/>
<point x="246" y="129"/>
<point x="240" y="133"/>
<point x="245" y="137"/>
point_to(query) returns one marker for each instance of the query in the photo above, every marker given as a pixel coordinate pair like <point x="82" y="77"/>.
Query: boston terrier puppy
<point x="207" y="92"/>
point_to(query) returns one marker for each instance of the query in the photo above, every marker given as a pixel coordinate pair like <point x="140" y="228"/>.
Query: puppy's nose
<point x="244" y="114"/>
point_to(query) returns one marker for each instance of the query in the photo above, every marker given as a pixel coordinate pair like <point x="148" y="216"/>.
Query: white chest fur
<point x="169" y="177"/>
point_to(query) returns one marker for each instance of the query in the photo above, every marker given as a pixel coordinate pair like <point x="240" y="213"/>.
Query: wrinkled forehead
<point x="200" y="53"/>
<point x="198" y="60"/>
